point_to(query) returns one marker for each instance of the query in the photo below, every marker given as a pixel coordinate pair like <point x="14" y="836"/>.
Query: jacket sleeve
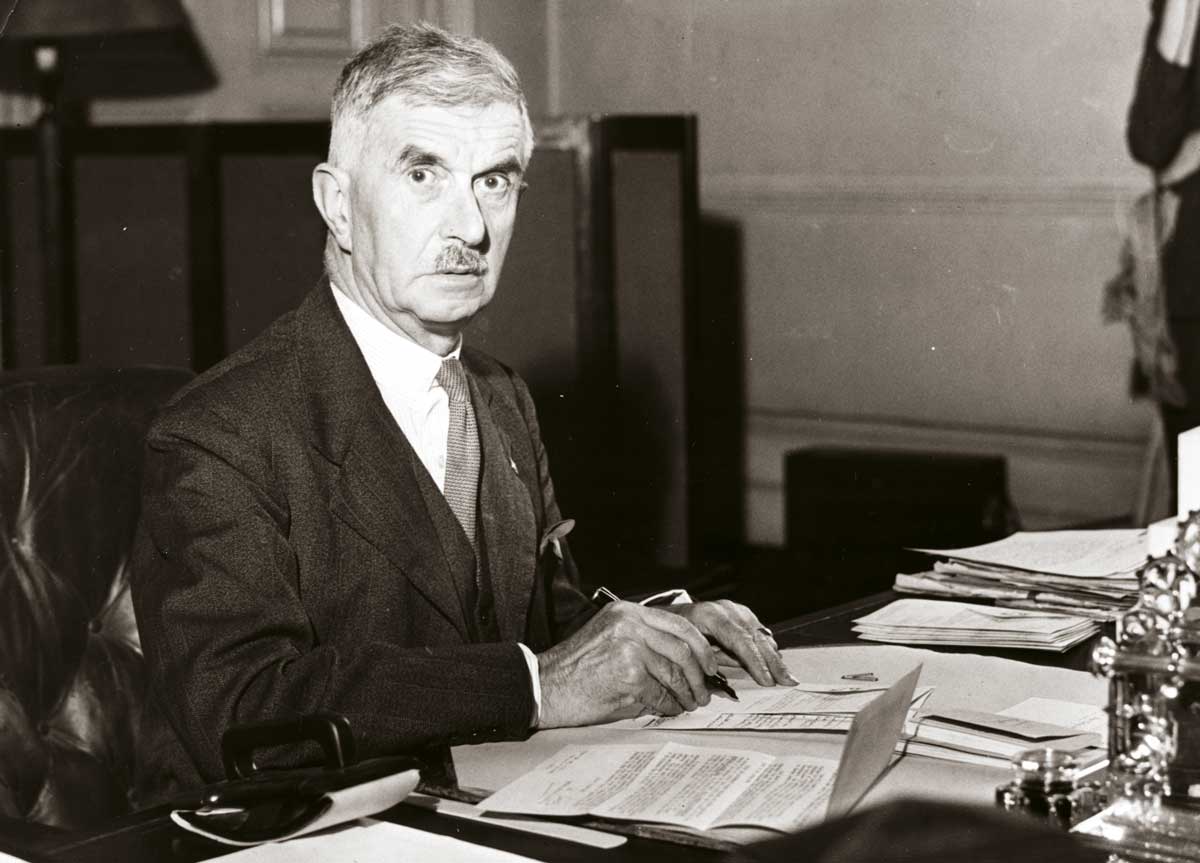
<point x="1160" y="113"/>
<point x="225" y="630"/>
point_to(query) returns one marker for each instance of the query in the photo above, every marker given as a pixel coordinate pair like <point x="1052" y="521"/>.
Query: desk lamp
<point x="69" y="52"/>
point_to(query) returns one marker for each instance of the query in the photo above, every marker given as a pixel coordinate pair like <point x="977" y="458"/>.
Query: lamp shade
<point x="67" y="19"/>
<point x="106" y="48"/>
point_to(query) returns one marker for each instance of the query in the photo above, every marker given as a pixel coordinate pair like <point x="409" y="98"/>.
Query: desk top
<point x="149" y="835"/>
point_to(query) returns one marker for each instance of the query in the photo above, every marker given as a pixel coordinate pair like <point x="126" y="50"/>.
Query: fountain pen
<point x="603" y="596"/>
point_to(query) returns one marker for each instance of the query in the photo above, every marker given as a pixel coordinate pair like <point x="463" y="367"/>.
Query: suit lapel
<point x="378" y="496"/>
<point x="506" y="511"/>
<point x="376" y="491"/>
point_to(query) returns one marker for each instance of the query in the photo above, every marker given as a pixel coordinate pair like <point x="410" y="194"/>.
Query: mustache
<point x="460" y="260"/>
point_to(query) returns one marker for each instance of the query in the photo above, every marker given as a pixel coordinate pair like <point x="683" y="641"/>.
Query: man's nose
<point x="464" y="218"/>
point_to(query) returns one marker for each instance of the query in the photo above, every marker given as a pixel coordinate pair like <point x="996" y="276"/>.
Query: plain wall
<point x="929" y="197"/>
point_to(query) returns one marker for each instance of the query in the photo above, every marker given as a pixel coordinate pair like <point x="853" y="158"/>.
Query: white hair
<point x="427" y="66"/>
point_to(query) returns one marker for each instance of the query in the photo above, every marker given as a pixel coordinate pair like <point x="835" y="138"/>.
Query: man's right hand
<point x="627" y="660"/>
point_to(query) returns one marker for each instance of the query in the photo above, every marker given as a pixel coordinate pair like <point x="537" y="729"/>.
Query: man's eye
<point x="418" y="175"/>
<point x="495" y="185"/>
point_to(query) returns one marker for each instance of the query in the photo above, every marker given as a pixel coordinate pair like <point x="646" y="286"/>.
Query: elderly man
<point x="354" y="513"/>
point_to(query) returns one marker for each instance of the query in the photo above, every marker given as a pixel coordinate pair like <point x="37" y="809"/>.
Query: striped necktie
<point x="461" y="486"/>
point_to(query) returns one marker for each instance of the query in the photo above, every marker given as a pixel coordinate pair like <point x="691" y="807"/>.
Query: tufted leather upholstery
<point x="71" y="676"/>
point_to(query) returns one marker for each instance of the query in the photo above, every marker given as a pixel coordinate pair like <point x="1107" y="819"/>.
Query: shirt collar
<point x="396" y="361"/>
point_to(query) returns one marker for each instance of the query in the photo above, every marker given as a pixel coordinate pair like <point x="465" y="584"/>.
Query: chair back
<point x="71" y="669"/>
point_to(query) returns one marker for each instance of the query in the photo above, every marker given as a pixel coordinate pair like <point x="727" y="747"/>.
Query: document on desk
<point x="702" y="788"/>
<point x="701" y="720"/>
<point x="806" y="707"/>
<point x="686" y="786"/>
<point x="984" y="683"/>
<point x="803" y="698"/>
<point x="973" y="736"/>
<point x="1082" y="718"/>
<point x="1075" y="553"/>
<point x="982" y="709"/>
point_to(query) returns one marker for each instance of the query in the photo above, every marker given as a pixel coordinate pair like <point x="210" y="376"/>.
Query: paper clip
<point x="866" y="675"/>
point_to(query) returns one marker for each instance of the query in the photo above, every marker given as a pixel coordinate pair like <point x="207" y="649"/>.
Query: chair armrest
<point x="329" y="730"/>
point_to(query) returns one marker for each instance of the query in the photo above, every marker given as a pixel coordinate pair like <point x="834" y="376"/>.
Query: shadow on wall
<point x="717" y="375"/>
<point x="608" y="474"/>
<point x="644" y="496"/>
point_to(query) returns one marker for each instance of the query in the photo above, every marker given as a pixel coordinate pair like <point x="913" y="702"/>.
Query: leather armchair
<point x="71" y="670"/>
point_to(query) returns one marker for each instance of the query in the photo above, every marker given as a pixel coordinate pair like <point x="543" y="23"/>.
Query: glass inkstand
<point x="1044" y="787"/>
<point x="1152" y="668"/>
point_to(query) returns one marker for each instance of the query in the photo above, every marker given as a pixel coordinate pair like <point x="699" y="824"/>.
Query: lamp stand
<point x="55" y="184"/>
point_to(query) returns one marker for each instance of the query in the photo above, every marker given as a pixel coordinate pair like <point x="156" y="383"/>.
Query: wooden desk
<point x="150" y="836"/>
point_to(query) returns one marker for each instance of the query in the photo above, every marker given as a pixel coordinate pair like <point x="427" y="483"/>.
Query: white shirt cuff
<point x="679" y="596"/>
<point x="535" y="681"/>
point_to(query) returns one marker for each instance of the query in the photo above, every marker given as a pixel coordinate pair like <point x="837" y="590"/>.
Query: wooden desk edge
<point x="640" y="830"/>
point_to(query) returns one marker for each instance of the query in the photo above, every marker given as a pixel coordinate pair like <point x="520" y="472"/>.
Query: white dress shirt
<point x="406" y="375"/>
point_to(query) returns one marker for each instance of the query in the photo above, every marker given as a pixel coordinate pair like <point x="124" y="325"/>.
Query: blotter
<point x="702" y="788"/>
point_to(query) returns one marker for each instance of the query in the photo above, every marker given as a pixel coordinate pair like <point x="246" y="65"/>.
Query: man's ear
<point x="331" y="194"/>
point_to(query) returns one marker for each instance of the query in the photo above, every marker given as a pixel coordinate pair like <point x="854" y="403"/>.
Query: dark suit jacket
<point x="288" y="562"/>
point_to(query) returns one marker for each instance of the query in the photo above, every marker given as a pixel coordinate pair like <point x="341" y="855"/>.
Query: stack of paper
<point x="932" y="621"/>
<point x="1087" y="573"/>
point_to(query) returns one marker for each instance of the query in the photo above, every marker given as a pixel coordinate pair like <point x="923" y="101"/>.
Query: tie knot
<point x="453" y="379"/>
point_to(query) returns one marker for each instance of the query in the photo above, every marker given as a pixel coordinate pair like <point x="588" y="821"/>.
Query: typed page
<point x="687" y="786"/>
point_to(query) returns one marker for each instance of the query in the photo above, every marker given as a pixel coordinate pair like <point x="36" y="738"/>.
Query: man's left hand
<point x="739" y="639"/>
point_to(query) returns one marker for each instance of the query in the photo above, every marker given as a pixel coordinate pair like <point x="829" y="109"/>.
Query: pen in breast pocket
<point x="603" y="596"/>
